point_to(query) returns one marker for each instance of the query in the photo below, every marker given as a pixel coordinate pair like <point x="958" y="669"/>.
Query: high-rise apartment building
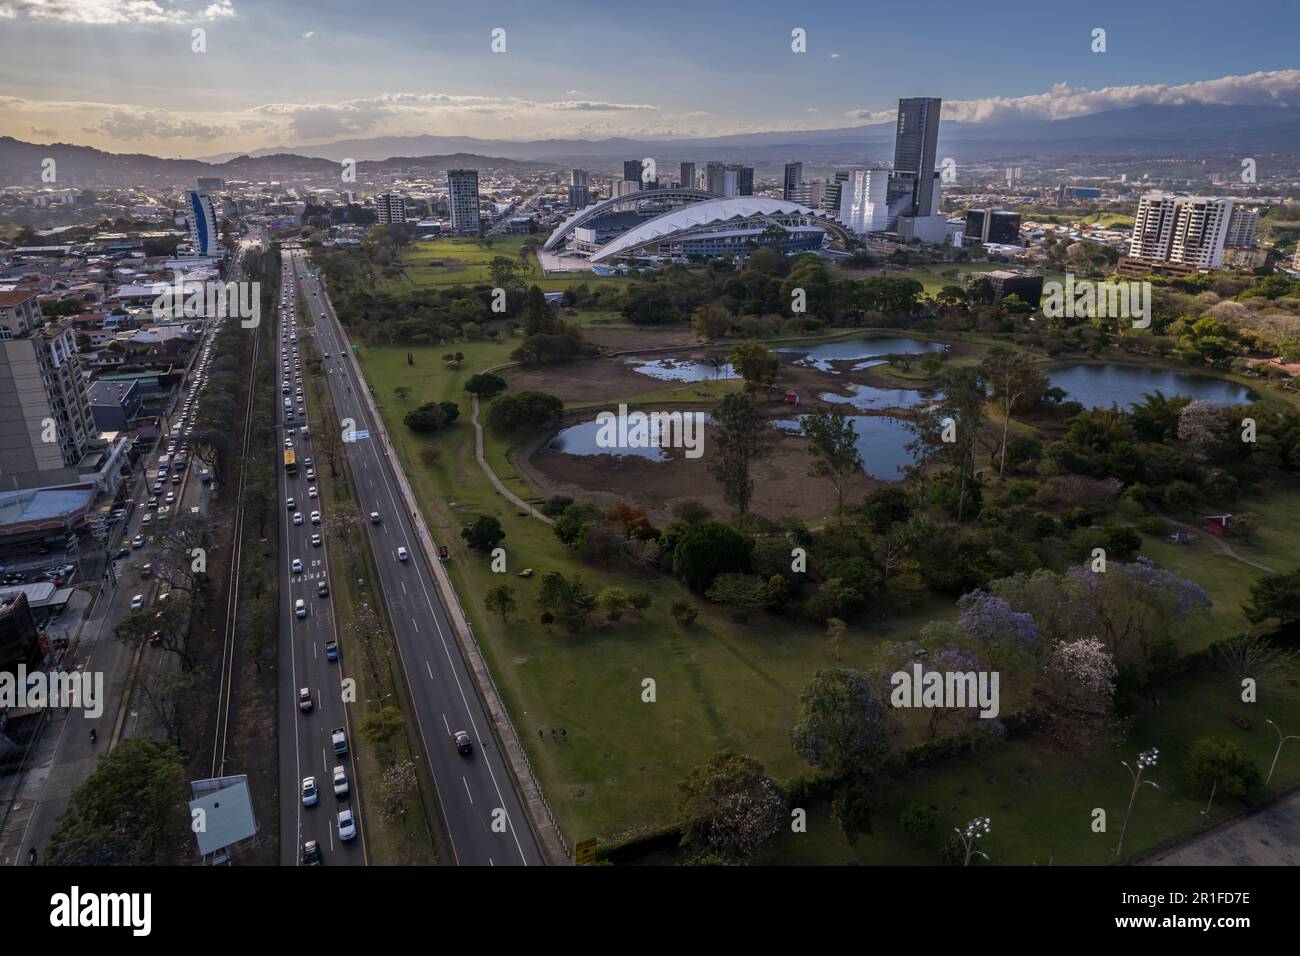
<point x="1241" y="226"/>
<point x="833" y="192"/>
<point x="632" y="171"/>
<point x="715" y="178"/>
<point x="202" y="216"/>
<point x="1190" y="230"/>
<point x="793" y="180"/>
<point x="579" y="192"/>
<point x="864" y="200"/>
<point x="462" y="197"/>
<point x="390" y="208"/>
<point x="687" y="176"/>
<point x="49" y="425"/>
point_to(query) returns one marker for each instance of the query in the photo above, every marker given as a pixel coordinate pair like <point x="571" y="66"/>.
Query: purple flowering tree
<point x="1001" y="633"/>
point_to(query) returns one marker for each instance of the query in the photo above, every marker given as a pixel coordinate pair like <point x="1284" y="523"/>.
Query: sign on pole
<point x="584" y="853"/>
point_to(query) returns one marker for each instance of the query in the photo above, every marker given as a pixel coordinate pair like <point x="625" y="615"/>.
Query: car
<point x="296" y="566"/>
<point x="146" y="570"/>
<point x="297" y="517"/>
<point x="171" y="496"/>
<point x="340" y="782"/>
<point x="322" y="589"/>
<point x="291" y="504"/>
<point x="13" y="577"/>
<point x="146" y="519"/>
<point x="402" y="554"/>
<point x="310" y="853"/>
<point x="374" y="517"/>
<point x="462" y="742"/>
<point x="288" y="442"/>
<point x="176" y="480"/>
<point x="137" y="602"/>
<point x="305" y="702"/>
<point x="121" y="553"/>
<point x="137" y="541"/>
<point x="311" y="492"/>
<point x="315" y="517"/>
<point x="311" y="474"/>
<point x="306" y="462"/>
<point x="339" y="740"/>
<point x="347" y="825"/>
<point x="309" y="794"/>
<point x="299" y="608"/>
<point x="315" y="541"/>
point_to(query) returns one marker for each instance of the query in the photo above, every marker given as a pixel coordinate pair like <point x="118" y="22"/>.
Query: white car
<point x="297" y="517"/>
<point x="137" y="602"/>
<point x="291" y="504"/>
<point x="315" y="517"/>
<point x="315" y="541"/>
<point x="296" y="566"/>
<point x="402" y="554"/>
<point x="309" y="794"/>
<point x="347" y="826"/>
<point x="340" y="782"/>
<point x="311" y="492"/>
<point x="137" y="541"/>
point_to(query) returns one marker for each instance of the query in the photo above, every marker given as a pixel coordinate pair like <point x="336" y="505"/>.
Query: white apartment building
<point x="1241" y="227"/>
<point x="864" y="200"/>
<point x="1190" y="230"/>
<point x="390" y="208"/>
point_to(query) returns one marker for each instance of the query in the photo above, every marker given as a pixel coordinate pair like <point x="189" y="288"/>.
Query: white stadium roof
<point x="703" y="214"/>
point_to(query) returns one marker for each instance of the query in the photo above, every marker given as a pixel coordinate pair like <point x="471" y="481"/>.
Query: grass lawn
<point x="718" y="684"/>
<point x="449" y="262"/>
<point x="1041" y="803"/>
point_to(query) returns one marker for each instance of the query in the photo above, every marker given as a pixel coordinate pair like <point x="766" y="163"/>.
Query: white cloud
<point x="130" y="124"/>
<point x="113" y="12"/>
<point x="309" y="34"/>
<point x="1274" y="88"/>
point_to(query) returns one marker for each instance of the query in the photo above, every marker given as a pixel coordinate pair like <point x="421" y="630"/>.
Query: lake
<point x="881" y="443"/>
<point x="680" y="370"/>
<point x="1124" y="385"/>
<point x="858" y="350"/>
<point x="867" y="396"/>
<point x="583" y="439"/>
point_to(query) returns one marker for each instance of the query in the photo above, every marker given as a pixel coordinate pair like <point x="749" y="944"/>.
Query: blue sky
<point x="120" y="74"/>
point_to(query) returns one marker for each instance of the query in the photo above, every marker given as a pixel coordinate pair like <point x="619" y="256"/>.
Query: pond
<point x="1124" y="385"/>
<point x="858" y="350"/>
<point x="681" y="370"/>
<point x="881" y="442"/>
<point x="866" y="396"/>
<point x="590" y="438"/>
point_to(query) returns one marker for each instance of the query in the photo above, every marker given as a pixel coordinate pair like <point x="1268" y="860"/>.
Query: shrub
<point x="917" y="820"/>
<point x="432" y="416"/>
<point x="1153" y="525"/>
<point x="485" y="384"/>
<point x="684" y="613"/>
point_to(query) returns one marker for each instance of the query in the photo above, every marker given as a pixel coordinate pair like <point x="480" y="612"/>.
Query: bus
<point x="290" y="461"/>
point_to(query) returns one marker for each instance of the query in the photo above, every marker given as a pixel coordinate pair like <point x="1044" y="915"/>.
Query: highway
<point x="483" y="817"/>
<point x="305" y="743"/>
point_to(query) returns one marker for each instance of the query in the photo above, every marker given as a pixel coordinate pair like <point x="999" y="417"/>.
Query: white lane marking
<point x="416" y="625"/>
<point x="430" y="670"/>
<point x="447" y="725"/>
<point x="467" y="793"/>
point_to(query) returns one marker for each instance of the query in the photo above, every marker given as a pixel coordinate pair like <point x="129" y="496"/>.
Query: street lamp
<point x="1145" y="759"/>
<point x="1277" y="753"/>
<point x="977" y="828"/>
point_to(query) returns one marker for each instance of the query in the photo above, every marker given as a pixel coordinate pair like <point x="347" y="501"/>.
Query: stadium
<point x="680" y="223"/>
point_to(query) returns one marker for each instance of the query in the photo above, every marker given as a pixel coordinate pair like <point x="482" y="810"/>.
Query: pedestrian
<point x="552" y="733"/>
<point x="564" y="734"/>
<point x="540" y="735"/>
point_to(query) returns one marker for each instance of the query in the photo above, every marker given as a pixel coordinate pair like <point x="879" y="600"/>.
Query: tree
<point x="738" y="439"/>
<point x="613" y="601"/>
<point x="483" y="533"/>
<point x="383" y="725"/>
<point x="402" y="392"/>
<point x="501" y="600"/>
<point x="1255" y="657"/>
<point x="740" y="595"/>
<point x="431" y="416"/>
<point x="1016" y="382"/>
<point x="833" y="448"/>
<point x="1275" y="597"/>
<point x="711" y="321"/>
<point x="1221" y="766"/>
<point x="684" y="613"/>
<point x="167" y="695"/>
<point x="485" y="384"/>
<point x="706" y="550"/>
<point x="522" y="410"/>
<point x="631" y="518"/>
<point x="756" y="365"/>
<point x="1077" y="692"/>
<point x="729" y="807"/>
<point x="165" y="624"/>
<point x="129" y="812"/>
<point x="567" y="601"/>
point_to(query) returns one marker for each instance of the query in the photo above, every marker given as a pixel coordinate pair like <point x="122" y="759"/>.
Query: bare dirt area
<point x="621" y="339"/>
<point x="782" y="486"/>
<point x="590" y="380"/>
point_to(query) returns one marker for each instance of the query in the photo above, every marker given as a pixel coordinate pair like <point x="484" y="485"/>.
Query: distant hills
<point x="1192" y="130"/>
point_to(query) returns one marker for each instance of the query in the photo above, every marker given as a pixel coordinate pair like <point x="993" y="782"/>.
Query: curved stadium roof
<point x="596" y="210"/>
<point x="713" y="211"/>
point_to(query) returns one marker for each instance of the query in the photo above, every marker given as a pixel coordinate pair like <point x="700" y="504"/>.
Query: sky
<point x="132" y="75"/>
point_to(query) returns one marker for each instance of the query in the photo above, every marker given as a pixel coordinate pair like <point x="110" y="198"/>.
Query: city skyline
<point x="575" y="72"/>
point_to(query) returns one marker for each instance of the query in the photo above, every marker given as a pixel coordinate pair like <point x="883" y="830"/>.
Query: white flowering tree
<point x="1076" y="690"/>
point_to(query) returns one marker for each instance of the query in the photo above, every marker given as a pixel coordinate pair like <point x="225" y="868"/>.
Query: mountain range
<point x="1192" y="130"/>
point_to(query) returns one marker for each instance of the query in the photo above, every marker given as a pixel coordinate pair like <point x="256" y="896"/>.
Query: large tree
<point x="738" y="439"/>
<point x="729" y="807"/>
<point x="1016" y="383"/>
<point x="833" y="449"/>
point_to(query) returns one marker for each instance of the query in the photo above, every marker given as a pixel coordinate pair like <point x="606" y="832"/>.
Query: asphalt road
<point x="484" y="819"/>
<point x="305" y="736"/>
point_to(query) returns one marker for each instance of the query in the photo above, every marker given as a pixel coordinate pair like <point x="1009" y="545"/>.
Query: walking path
<point x="492" y="475"/>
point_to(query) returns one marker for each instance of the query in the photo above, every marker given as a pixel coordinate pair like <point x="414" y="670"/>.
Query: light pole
<point x="974" y="830"/>
<point x="1146" y="759"/>
<point x="1277" y="753"/>
<point x="380" y="702"/>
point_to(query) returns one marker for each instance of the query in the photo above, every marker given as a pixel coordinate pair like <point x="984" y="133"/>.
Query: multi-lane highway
<point x="307" y="625"/>
<point x="483" y="817"/>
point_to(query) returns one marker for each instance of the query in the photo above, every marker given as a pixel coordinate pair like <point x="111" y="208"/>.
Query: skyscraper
<point x="1241" y="226"/>
<point x="462" y="197"/>
<point x="715" y="178"/>
<point x="864" y="204"/>
<point x="632" y="171"/>
<point x="915" y="142"/>
<point x="1190" y="230"/>
<point x="793" y="179"/>
<point x="203" y="224"/>
<point x="578" y="190"/>
<point x="687" y="177"/>
<point x="744" y="179"/>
